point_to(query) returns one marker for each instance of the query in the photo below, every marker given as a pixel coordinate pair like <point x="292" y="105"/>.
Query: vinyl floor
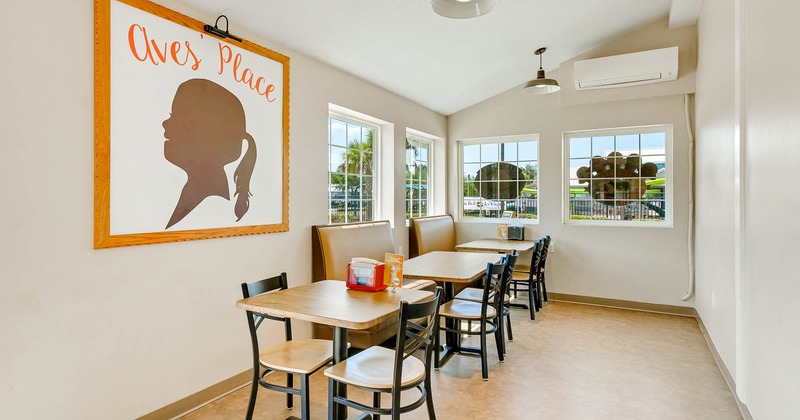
<point x="574" y="362"/>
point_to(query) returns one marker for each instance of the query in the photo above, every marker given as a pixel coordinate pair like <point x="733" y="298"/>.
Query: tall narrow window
<point x="500" y="175"/>
<point x="619" y="176"/>
<point x="418" y="177"/>
<point x="351" y="170"/>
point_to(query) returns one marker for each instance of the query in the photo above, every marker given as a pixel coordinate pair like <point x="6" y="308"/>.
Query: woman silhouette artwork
<point x="204" y="133"/>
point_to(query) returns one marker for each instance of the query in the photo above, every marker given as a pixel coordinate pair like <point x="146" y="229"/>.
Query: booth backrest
<point x="334" y="246"/>
<point x="431" y="233"/>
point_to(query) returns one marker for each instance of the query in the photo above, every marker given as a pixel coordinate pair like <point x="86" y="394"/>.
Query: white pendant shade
<point x="463" y="9"/>
<point x="541" y="84"/>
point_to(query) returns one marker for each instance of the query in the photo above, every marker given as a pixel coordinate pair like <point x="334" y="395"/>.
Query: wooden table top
<point x="496" y="245"/>
<point x="330" y="302"/>
<point x="449" y="266"/>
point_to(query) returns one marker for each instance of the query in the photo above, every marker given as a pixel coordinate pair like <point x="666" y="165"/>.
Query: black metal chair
<point x="526" y="279"/>
<point x="545" y="250"/>
<point x="292" y="357"/>
<point x="475" y="294"/>
<point x="383" y="370"/>
<point x="488" y="312"/>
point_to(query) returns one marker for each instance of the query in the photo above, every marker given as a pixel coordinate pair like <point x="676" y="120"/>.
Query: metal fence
<point x="641" y="210"/>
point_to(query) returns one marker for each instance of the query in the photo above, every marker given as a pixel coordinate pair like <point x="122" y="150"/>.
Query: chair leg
<point x="376" y="402"/>
<point x="499" y="338"/>
<point x="508" y="322"/>
<point x="544" y="288"/>
<point x="436" y="347"/>
<point x="429" y="397"/>
<point x="305" y="404"/>
<point x="290" y="384"/>
<point x="396" y="404"/>
<point x="484" y="361"/>
<point x="331" y="405"/>
<point x="531" y="295"/>
<point x="253" y="392"/>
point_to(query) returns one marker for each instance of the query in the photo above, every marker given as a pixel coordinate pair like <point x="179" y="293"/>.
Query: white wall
<point x="715" y="178"/>
<point x="636" y="264"/>
<point x="757" y="337"/>
<point x="771" y="334"/>
<point x="122" y="332"/>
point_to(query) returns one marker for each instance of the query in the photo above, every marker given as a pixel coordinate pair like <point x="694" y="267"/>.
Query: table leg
<point x="452" y="341"/>
<point x="339" y="354"/>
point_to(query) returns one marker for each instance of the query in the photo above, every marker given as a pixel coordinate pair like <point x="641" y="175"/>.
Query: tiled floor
<point x="573" y="362"/>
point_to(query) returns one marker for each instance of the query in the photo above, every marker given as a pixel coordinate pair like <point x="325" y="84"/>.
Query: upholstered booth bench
<point x="433" y="233"/>
<point x="332" y="248"/>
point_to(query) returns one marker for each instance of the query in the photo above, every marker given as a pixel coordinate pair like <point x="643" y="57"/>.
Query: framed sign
<point x="191" y="130"/>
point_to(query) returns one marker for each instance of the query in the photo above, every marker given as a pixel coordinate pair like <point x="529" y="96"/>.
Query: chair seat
<point x="521" y="276"/>
<point x="475" y="294"/>
<point x="374" y="368"/>
<point x="465" y="309"/>
<point x="297" y="356"/>
<point x="522" y="268"/>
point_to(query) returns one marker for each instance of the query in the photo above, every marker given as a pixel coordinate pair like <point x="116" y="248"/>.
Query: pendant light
<point x="541" y="85"/>
<point x="463" y="9"/>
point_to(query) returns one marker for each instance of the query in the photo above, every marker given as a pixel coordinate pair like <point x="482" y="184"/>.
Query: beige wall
<point x="121" y="332"/>
<point x="629" y="263"/>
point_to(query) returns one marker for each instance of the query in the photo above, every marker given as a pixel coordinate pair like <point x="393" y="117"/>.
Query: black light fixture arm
<point x="219" y="32"/>
<point x="540" y="72"/>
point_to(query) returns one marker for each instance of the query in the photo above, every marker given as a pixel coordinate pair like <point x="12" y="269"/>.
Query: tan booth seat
<point x="433" y="233"/>
<point x="333" y="246"/>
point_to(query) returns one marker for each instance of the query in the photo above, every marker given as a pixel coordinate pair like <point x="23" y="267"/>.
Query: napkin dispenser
<point x="516" y="233"/>
<point x="365" y="274"/>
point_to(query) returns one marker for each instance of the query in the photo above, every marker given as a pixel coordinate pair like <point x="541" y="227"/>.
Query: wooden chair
<point x="526" y="279"/>
<point x="488" y="312"/>
<point x="292" y="357"/>
<point x="382" y="370"/>
<point x="475" y="294"/>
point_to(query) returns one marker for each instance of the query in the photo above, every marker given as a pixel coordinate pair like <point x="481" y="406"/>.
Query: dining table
<point x="496" y="245"/>
<point x="450" y="268"/>
<point x="330" y="302"/>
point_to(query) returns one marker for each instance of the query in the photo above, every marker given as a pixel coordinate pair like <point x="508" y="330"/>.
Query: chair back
<point x="418" y="327"/>
<point x="536" y="258"/>
<point x="254" y="320"/>
<point x="510" y="260"/>
<point x="493" y="286"/>
<point x="545" y="245"/>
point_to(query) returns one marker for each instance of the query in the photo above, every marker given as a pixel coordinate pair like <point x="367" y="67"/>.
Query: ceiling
<point x="443" y="64"/>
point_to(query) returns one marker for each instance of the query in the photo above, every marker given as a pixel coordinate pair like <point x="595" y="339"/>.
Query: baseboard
<point x="624" y="304"/>
<point x="201" y="398"/>
<point x="726" y="374"/>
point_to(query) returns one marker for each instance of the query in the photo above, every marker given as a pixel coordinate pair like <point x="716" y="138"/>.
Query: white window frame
<point x="430" y="141"/>
<point x="460" y="178"/>
<point x="353" y="117"/>
<point x="669" y="175"/>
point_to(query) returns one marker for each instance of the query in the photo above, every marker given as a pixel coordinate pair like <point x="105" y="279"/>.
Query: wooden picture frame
<point x="180" y="113"/>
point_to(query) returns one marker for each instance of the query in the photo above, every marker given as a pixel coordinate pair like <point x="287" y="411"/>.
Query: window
<point x="351" y="169"/>
<point x="418" y="176"/>
<point x="500" y="174"/>
<point x="619" y="176"/>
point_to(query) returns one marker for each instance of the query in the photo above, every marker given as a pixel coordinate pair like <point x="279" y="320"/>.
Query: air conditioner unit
<point x="624" y="70"/>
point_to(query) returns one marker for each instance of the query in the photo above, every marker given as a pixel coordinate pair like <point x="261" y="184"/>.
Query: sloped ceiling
<point x="443" y="64"/>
